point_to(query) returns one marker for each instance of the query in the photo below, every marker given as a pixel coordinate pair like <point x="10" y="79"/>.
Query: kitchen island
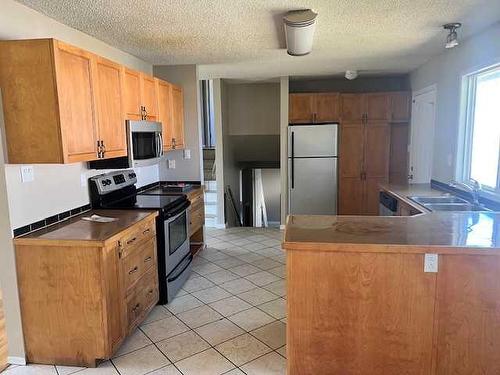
<point x="360" y="301"/>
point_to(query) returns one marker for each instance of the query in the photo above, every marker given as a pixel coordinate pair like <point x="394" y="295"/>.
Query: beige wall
<point x="185" y="169"/>
<point x="44" y="196"/>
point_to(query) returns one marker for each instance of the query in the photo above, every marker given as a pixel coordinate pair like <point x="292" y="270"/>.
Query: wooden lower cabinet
<point x="81" y="299"/>
<point x="3" y="337"/>
<point x="196" y="219"/>
<point x="377" y="312"/>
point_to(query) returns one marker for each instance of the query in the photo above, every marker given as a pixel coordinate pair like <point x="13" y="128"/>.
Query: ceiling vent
<point x="299" y="31"/>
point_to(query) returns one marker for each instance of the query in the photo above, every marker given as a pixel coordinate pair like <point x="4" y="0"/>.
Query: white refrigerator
<point x="312" y="169"/>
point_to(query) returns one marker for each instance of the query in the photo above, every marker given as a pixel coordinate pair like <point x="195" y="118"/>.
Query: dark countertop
<point x="472" y="230"/>
<point x="76" y="229"/>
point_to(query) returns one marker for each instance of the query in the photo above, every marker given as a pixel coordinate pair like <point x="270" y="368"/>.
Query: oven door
<point x="176" y="239"/>
<point x="145" y="144"/>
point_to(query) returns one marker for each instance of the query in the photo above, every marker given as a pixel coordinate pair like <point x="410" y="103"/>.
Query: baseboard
<point x="216" y="226"/>
<point x="282" y="226"/>
<point x="20" y="361"/>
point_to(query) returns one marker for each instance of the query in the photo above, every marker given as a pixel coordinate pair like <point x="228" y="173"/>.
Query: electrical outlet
<point x="171" y="164"/>
<point x="187" y="154"/>
<point x="431" y="263"/>
<point x="27" y="173"/>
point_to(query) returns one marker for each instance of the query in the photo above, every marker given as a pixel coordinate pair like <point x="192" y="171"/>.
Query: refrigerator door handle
<point x="293" y="156"/>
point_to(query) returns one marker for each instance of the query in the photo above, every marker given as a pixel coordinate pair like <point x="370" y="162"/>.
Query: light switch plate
<point x="27" y="173"/>
<point x="431" y="263"/>
<point x="187" y="154"/>
<point x="171" y="164"/>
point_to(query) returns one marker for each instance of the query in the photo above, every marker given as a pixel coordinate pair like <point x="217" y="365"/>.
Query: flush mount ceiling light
<point x="299" y="31"/>
<point x="351" y="74"/>
<point x="451" y="38"/>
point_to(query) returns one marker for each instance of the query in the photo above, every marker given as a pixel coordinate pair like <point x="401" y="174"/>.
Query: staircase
<point x="211" y="187"/>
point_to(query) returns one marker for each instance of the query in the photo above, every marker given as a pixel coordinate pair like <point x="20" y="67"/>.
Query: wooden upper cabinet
<point x="351" y="107"/>
<point x="313" y="108"/>
<point x="177" y="117"/>
<point x="109" y="100"/>
<point x="76" y="102"/>
<point x="132" y="94"/>
<point x="164" y="93"/>
<point x="148" y="97"/>
<point x="300" y="109"/>
<point x="400" y="106"/>
<point x="326" y="107"/>
<point x="377" y="106"/>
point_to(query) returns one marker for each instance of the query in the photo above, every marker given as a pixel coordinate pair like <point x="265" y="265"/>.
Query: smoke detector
<point x="299" y="31"/>
<point x="452" y="38"/>
<point x="351" y="74"/>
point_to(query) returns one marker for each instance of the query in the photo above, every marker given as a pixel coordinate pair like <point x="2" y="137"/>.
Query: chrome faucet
<point x="474" y="188"/>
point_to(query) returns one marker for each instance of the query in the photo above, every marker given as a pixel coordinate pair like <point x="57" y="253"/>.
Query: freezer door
<point x="312" y="186"/>
<point x="312" y="140"/>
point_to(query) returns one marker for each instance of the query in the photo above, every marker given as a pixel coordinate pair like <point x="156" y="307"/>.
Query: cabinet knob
<point x="131" y="241"/>
<point x="148" y="259"/>
<point x="133" y="270"/>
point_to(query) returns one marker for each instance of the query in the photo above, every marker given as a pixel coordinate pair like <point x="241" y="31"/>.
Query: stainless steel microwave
<point x="145" y="143"/>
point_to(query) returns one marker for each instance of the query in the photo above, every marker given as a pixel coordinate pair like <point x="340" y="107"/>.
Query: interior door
<point x="109" y="104"/>
<point x="76" y="102"/>
<point x="326" y="107"/>
<point x="422" y="137"/>
<point x="165" y="112"/>
<point x="313" y="186"/>
<point x="300" y="108"/>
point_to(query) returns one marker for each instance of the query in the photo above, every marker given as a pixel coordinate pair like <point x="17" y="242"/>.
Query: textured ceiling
<point x="244" y="38"/>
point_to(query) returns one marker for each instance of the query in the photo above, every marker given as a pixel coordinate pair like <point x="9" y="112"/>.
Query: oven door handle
<point x="175" y="277"/>
<point x="179" y="209"/>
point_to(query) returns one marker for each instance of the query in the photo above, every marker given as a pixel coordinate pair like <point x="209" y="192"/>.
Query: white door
<point x="423" y="118"/>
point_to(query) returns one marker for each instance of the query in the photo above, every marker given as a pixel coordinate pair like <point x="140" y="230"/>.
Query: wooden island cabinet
<point x="85" y="286"/>
<point x="359" y="300"/>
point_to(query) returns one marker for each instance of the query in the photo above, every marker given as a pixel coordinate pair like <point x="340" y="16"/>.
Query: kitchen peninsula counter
<point x="360" y="302"/>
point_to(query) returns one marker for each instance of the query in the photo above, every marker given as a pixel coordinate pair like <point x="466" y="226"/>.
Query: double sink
<point x="447" y="203"/>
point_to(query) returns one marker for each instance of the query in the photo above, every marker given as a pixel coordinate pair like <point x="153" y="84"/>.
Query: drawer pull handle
<point x="148" y="259"/>
<point x="136" y="307"/>
<point x="147" y="231"/>
<point x="133" y="270"/>
<point x="131" y="241"/>
<point x="151" y="291"/>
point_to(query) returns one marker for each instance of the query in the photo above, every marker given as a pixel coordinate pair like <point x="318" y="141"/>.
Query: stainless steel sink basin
<point x="454" y="207"/>
<point x="435" y="200"/>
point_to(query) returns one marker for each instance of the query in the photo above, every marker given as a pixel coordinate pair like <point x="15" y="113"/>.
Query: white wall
<point x="446" y="71"/>
<point x="284" y="147"/>
<point x="185" y="169"/>
<point x="56" y="187"/>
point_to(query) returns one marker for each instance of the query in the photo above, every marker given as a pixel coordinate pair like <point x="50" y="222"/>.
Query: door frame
<point x="429" y="90"/>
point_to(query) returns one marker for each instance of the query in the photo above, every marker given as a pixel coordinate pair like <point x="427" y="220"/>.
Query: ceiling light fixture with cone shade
<point x="452" y="38"/>
<point x="299" y="31"/>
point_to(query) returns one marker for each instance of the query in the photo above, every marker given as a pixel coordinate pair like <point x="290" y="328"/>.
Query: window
<point x="482" y="130"/>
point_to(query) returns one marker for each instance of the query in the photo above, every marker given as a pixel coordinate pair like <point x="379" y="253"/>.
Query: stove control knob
<point x="131" y="175"/>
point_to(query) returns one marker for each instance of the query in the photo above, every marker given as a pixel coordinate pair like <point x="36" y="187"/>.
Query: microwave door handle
<point x="160" y="144"/>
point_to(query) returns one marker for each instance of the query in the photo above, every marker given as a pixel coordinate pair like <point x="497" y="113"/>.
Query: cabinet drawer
<point x="138" y="262"/>
<point x="197" y="201"/>
<point x="142" y="298"/>
<point x="196" y="219"/>
<point x="141" y="232"/>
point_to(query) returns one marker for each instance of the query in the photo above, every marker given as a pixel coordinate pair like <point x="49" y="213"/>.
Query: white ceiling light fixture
<point x="351" y="74"/>
<point x="299" y="31"/>
<point x="452" y="38"/>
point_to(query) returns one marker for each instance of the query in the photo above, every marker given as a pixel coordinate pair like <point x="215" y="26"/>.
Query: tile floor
<point x="229" y="318"/>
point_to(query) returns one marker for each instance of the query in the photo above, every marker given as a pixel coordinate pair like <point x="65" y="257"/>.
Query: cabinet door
<point x="468" y="315"/>
<point x="400" y="106"/>
<point x="164" y="90"/>
<point x="326" y="107"/>
<point x="178" y="116"/>
<point x="76" y="103"/>
<point x="377" y="106"/>
<point x="351" y="152"/>
<point x="132" y="94"/>
<point x="376" y="164"/>
<point x="351" y="107"/>
<point x="300" y="109"/>
<point x="148" y="97"/>
<point x="109" y="104"/>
